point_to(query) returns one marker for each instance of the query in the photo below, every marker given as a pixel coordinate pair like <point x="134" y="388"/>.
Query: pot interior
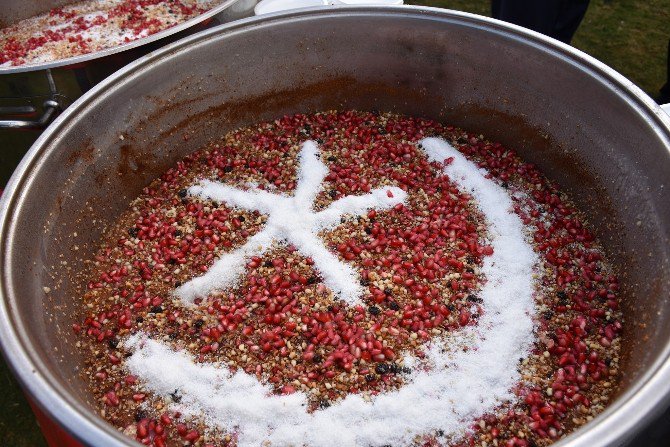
<point x="583" y="127"/>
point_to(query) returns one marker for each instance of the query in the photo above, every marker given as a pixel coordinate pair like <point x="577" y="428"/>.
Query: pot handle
<point x="51" y="109"/>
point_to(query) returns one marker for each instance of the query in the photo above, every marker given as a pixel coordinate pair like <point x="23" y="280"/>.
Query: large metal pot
<point x="586" y="126"/>
<point x="31" y="96"/>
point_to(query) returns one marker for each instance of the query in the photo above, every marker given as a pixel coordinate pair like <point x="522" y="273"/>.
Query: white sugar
<point x="291" y="220"/>
<point x="461" y="385"/>
<point x="311" y="172"/>
<point x="356" y="205"/>
<point x="226" y="270"/>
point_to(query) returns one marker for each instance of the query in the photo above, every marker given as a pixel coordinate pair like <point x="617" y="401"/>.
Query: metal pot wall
<point x="31" y="96"/>
<point x="586" y="127"/>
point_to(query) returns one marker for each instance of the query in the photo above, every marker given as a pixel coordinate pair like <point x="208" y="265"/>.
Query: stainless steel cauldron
<point x="585" y="125"/>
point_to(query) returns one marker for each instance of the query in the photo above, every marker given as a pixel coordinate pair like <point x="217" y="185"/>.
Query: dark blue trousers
<point x="664" y="96"/>
<point x="555" y="18"/>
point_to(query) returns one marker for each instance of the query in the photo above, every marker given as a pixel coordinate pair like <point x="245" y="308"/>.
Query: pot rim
<point x="623" y="418"/>
<point x="75" y="60"/>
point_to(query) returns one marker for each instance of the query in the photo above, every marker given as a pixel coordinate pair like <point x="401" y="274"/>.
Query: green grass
<point x="17" y="423"/>
<point x="630" y="36"/>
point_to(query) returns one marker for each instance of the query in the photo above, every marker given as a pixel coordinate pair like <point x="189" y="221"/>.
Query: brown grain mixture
<point x="420" y="264"/>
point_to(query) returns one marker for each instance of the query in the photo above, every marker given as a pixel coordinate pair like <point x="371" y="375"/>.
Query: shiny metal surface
<point x="583" y="124"/>
<point x="17" y="110"/>
<point x="51" y="108"/>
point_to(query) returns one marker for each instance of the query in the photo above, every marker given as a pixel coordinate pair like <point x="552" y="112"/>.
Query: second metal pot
<point x="31" y="96"/>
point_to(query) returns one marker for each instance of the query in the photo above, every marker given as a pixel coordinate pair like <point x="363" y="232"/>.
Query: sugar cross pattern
<point x="291" y="220"/>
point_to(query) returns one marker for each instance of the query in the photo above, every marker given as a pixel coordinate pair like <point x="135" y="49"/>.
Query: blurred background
<point x="631" y="36"/>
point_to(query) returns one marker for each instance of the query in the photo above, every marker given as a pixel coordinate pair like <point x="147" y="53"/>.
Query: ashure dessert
<point x="91" y="25"/>
<point x="350" y="278"/>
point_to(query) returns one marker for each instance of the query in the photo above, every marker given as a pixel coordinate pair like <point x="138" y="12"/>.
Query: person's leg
<point x="537" y="15"/>
<point x="569" y="17"/>
<point x="495" y="9"/>
<point x="664" y="96"/>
